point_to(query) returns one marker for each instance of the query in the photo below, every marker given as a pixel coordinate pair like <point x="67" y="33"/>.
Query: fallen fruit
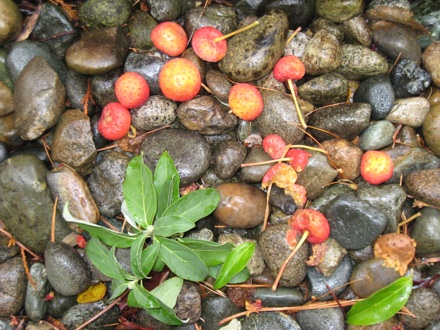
<point x="204" y="44"/>
<point x="299" y="158"/>
<point x="179" y="80"/>
<point x="274" y="145"/>
<point x="170" y="38"/>
<point x="132" y="90"/>
<point x="376" y="167"/>
<point x="245" y="101"/>
<point x="115" y="121"/>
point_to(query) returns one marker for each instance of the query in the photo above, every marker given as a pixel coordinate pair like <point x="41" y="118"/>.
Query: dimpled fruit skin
<point x="114" y="122"/>
<point x="179" y="80"/>
<point x="205" y="47"/>
<point x="245" y="101"/>
<point x="289" y="67"/>
<point x="376" y="167"/>
<point x="132" y="90"/>
<point x="170" y="38"/>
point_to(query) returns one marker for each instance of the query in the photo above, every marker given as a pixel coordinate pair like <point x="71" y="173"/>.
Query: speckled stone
<point x="337" y="11"/>
<point x="325" y="89"/>
<point x="408" y="79"/>
<point x="431" y="132"/>
<point x="424" y="303"/>
<point x="321" y="318"/>
<point x="377" y="136"/>
<point x="425" y="185"/>
<point x="156" y="112"/>
<point x="410" y="111"/>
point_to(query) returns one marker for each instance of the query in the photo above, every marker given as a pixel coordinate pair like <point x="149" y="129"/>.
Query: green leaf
<point x="139" y="192"/>
<point x="241" y="277"/>
<point x="195" y="205"/>
<point x="382" y="304"/>
<point x="144" y="298"/>
<point x="127" y="215"/>
<point x="112" y="256"/>
<point x="167" y="183"/>
<point x="212" y="253"/>
<point x="159" y="264"/>
<point x="118" y="288"/>
<point x="106" y="235"/>
<point x="234" y="263"/>
<point x="182" y="261"/>
<point x="169" y="225"/>
<point x="136" y="256"/>
<point x="99" y="255"/>
<point x="165" y="315"/>
<point x="168" y="291"/>
<point x="149" y="256"/>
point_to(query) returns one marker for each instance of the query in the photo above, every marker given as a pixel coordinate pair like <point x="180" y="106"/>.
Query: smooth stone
<point x="8" y="133"/>
<point x="215" y="308"/>
<point x="275" y="320"/>
<point x="102" y="13"/>
<point x="21" y="53"/>
<point x="390" y="198"/>
<point x="279" y="199"/>
<point x="105" y="182"/>
<point x="282" y="297"/>
<point x="60" y="304"/>
<point x="39" y="99"/>
<point x="316" y="175"/>
<point x="66" y="184"/>
<point x="321" y="318"/>
<point x="275" y="249"/>
<point x="433" y="96"/>
<point x="253" y="53"/>
<point x="299" y="13"/>
<point x="362" y="254"/>
<point x="345" y="155"/>
<point x="426" y="233"/>
<point x="371" y="275"/>
<point x="377" y="136"/>
<point x="410" y="112"/>
<point x="346" y="120"/>
<point x="67" y="272"/>
<point x="322" y="54"/>
<point x="192" y="158"/>
<point x="336" y="11"/>
<point x="11" y="21"/>
<point x="200" y="64"/>
<point x="4" y="76"/>
<point x="256" y="264"/>
<point x="103" y="87"/>
<point x="4" y="153"/>
<point x="424" y="185"/>
<point x="227" y="158"/>
<point x="327" y="256"/>
<point x="156" y="112"/>
<point x="241" y="205"/>
<point x="384" y="325"/>
<point x="278" y="116"/>
<point x="430" y="61"/>
<point x="254" y="174"/>
<point x="23" y="180"/>
<point x="329" y="88"/>
<point x="354" y="223"/>
<point x="324" y="24"/>
<point x="407" y="135"/>
<point x="169" y="10"/>
<point x="424" y="303"/>
<point x="76" y="89"/>
<point x="13" y="286"/>
<point x="394" y="41"/>
<point x="53" y="21"/>
<point x="431" y="133"/>
<point x="359" y="62"/>
<point x="408" y="79"/>
<point x="139" y="28"/>
<point x="297" y="45"/>
<point x="330" y="194"/>
<point x="379" y="93"/>
<point x="219" y="84"/>
<point x="323" y="287"/>
<point x="6" y="100"/>
<point x="81" y="313"/>
<point x="206" y="115"/>
<point x="357" y="31"/>
<point x="36" y="305"/>
<point x="98" y="51"/>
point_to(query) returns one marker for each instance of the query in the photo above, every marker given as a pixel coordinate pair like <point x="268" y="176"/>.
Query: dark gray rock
<point x="156" y="112"/>
<point x="276" y="320"/>
<point x="169" y="10"/>
<point x="326" y="89"/>
<point x="299" y="13"/>
<point x="139" y="28"/>
<point x="101" y="13"/>
<point x="282" y="297"/>
<point x="12" y="286"/>
<point x="103" y="87"/>
<point x="321" y="319"/>
<point x="408" y="79"/>
<point x="215" y="309"/>
<point x="254" y="174"/>
<point x="227" y="158"/>
<point x="36" y="305"/>
<point x="80" y="313"/>
<point x="60" y="304"/>
<point x="279" y="199"/>
<point x="424" y="303"/>
<point x="426" y="233"/>
<point x="76" y="89"/>
<point x="377" y="136"/>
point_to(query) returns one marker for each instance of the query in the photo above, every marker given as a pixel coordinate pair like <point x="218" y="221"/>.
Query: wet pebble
<point x="327" y="256"/>
<point x="78" y="314"/>
<point x="215" y="308"/>
<point x="97" y="13"/>
<point x="429" y="60"/>
<point x="60" y="304"/>
<point x="427" y="13"/>
<point x="277" y="320"/>
<point x="76" y="89"/>
<point x="157" y="111"/>
<point x="219" y="84"/>
<point x="426" y="233"/>
<point x="11" y="21"/>
<point x="279" y="199"/>
<point x="227" y="158"/>
<point x="103" y="87"/>
<point x="13" y="286"/>
<point x="254" y="174"/>
<point x="140" y="26"/>
<point x="357" y="31"/>
<point x="330" y="194"/>
<point x="325" y="24"/>
<point x="189" y="303"/>
<point x="431" y="133"/>
<point x="325" y="89"/>
<point x="377" y="136"/>
<point x="408" y="79"/>
<point x="299" y="13"/>
<point x="336" y="11"/>
<point x="410" y="111"/>
<point x="6" y="100"/>
<point x="424" y="303"/>
<point x="275" y="250"/>
<point x="424" y="185"/>
<point x="297" y="45"/>
<point x="282" y="297"/>
<point x="354" y="223"/>
<point x="169" y="10"/>
<point x="36" y="305"/>
<point x="321" y="318"/>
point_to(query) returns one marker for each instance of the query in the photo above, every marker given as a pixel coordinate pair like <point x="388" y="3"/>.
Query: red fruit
<point x="114" y="122"/>
<point x="245" y="101"/>
<point x="81" y="241"/>
<point x="50" y="296"/>
<point x="299" y="159"/>
<point x="170" y="38"/>
<point x="179" y="80"/>
<point x="313" y="221"/>
<point x="205" y="47"/>
<point x="274" y="145"/>
<point x="376" y="167"/>
<point x="289" y="67"/>
<point x="132" y="90"/>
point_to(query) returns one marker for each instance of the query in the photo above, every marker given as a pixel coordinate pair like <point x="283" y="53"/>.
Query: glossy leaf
<point x="114" y="261"/>
<point x="128" y="217"/>
<point x="381" y="305"/>
<point x="139" y="193"/>
<point x="195" y="205"/>
<point x="136" y="257"/>
<point x="167" y="183"/>
<point x="118" y="288"/>
<point x="182" y="261"/>
<point x="168" y="291"/>
<point x="144" y="298"/>
<point x="212" y="253"/>
<point x="106" y="235"/>
<point x="149" y="256"/>
<point x="169" y="225"/>
<point x="234" y="263"/>
<point x="99" y="255"/>
<point x="241" y="277"/>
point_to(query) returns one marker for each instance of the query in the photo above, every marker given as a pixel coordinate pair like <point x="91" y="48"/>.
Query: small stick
<point x="298" y="110"/>
<point x="247" y="27"/>
<point x="54" y="213"/>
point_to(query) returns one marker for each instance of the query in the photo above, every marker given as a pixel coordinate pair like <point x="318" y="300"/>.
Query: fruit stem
<point x="304" y="236"/>
<point x="267" y="162"/>
<point x="306" y="147"/>
<point x="293" y="35"/>
<point x="247" y="27"/>
<point x="298" y="110"/>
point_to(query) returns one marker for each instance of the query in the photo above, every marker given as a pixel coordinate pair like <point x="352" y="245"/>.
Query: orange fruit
<point x="132" y="90"/>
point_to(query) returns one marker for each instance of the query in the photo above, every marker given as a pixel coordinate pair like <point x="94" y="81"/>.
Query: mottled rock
<point x="356" y="31"/>
<point x="140" y="26"/>
<point x="12" y="286"/>
<point x="424" y="185"/>
<point x="99" y="13"/>
<point x="268" y="320"/>
<point x="321" y="318"/>
<point x="254" y="174"/>
<point x="36" y="305"/>
<point x="156" y="112"/>
<point x="426" y="233"/>
<point x="325" y="24"/>
<point x="377" y="136"/>
<point x="410" y="111"/>
<point x="431" y="133"/>
<point x="81" y="313"/>
<point x="10" y="21"/>
<point x="327" y="256"/>
<point x="227" y="158"/>
<point x="169" y="10"/>
<point x="326" y="89"/>
<point x="408" y="79"/>
<point x="336" y="11"/>
<point x="189" y="303"/>
<point x="429" y="60"/>
<point x="424" y="303"/>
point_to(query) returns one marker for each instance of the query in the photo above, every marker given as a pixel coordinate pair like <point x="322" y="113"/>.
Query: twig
<point x="26" y="269"/>
<point x="54" y="213"/>
<point x="4" y="232"/>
